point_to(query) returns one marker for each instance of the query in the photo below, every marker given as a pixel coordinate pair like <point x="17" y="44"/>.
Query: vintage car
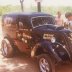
<point x="36" y="35"/>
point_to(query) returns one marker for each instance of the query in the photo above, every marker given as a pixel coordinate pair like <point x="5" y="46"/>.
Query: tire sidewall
<point x="49" y="60"/>
<point x="9" y="48"/>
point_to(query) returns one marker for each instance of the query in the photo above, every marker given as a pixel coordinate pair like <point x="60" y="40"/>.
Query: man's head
<point x="59" y="14"/>
<point x="68" y="15"/>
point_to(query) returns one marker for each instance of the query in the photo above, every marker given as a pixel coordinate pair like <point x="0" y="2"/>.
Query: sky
<point x="43" y="2"/>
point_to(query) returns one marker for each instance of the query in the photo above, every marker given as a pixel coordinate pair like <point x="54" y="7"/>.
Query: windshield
<point x="39" y="21"/>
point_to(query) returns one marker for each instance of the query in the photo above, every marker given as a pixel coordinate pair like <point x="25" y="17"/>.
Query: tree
<point x="21" y="2"/>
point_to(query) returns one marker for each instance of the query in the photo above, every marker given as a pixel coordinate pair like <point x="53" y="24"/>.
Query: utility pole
<point x="21" y="2"/>
<point x="38" y="5"/>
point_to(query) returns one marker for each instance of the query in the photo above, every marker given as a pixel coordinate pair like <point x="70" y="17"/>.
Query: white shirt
<point x="59" y="21"/>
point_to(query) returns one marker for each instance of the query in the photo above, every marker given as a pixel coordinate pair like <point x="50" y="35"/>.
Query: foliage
<point x="53" y="10"/>
<point x="9" y="8"/>
<point x="17" y="8"/>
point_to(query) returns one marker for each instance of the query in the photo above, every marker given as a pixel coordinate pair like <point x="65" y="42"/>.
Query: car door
<point x="25" y="30"/>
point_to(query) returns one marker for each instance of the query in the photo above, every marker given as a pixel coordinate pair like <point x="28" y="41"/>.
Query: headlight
<point x="53" y="39"/>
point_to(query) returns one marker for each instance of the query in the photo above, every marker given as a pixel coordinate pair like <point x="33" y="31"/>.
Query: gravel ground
<point x="17" y="64"/>
<point x="26" y="64"/>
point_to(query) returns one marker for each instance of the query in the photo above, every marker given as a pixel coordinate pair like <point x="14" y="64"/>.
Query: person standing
<point x="68" y="15"/>
<point x="59" y="19"/>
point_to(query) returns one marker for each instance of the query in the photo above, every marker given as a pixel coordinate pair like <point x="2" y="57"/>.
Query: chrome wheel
<point x="44" y="65"/>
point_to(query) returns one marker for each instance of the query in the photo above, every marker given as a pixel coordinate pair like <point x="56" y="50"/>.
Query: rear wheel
<point x="6" y="48"/>
<point x="46" y="64"/>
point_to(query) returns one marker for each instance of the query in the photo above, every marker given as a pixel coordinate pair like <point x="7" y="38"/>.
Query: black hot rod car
<point x="36" y="34"/>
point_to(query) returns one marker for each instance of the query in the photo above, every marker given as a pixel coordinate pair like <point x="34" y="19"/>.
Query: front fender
<point x="45" y="47"/>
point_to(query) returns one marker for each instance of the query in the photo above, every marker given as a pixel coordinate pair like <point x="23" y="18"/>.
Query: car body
<point x="36" y="34"/>
<point x="21" y="22"/>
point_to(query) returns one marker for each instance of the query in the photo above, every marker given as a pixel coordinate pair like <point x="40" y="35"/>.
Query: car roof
<point x="25" y="17"/>
<point x="32" y="14"/>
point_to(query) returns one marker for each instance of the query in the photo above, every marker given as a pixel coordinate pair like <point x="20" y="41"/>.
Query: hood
<point x="45" y="28"/>
<point x="66" y="30"/>
<point x="51" y="28"/>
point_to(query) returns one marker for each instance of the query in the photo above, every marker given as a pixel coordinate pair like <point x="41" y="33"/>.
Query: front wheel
<point x="46" y="64"/>
<point x="6" y="48"/>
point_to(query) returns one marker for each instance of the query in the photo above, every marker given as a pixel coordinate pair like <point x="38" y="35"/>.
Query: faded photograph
<point x="35" y="35"/>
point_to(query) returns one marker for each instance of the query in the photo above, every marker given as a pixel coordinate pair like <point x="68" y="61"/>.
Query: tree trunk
<point x="39" y="6"/>
<point x="21" y="1"/>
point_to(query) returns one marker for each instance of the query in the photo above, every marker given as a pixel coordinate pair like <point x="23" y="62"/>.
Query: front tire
<point x="6" y="48"/>
<point x="46" y="64"/>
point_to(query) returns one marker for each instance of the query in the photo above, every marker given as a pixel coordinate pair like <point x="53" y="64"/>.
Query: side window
<point x="21" y="25"/>
<point x="8" y="21"/>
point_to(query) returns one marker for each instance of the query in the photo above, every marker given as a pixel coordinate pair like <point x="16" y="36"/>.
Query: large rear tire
<point x="7" y="48"/>
<point x="46" y="63"/>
